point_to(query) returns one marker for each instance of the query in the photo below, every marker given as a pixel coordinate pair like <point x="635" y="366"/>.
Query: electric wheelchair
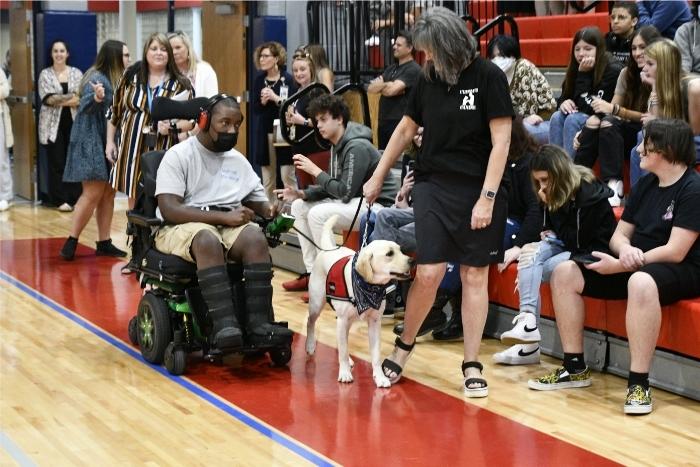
<point x="171" y="320"/>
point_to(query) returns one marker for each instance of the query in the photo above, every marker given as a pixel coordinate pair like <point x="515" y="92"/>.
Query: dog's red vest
<point x="336" y="286"/>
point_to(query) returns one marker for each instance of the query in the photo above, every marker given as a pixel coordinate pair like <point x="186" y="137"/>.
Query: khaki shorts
<point x="177" y="239"/>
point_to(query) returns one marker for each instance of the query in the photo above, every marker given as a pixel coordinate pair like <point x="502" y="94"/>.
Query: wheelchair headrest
<point x="167" y="109"/>
<point x="149" y="170"/>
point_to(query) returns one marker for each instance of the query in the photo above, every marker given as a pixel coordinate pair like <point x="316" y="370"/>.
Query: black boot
<point x="107" y="248"/>
<point x="216" y="291"/>
<point x="453" y="331"/>
<point x="68" y="250"/>
<point x="436" y="318"/>
<point x="258" y="300"/>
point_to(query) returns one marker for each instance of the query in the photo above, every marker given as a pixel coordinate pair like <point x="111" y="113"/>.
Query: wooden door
<point x="23" y="124"/>
<point x="224" y="47"/>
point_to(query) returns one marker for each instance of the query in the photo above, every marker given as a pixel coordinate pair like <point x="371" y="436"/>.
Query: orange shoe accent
<point x="305" y="297"/>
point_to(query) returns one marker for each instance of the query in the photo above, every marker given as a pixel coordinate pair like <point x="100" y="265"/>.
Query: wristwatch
<point x="489" y="194"/>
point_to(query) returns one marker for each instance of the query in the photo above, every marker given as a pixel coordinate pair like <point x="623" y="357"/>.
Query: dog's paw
<point x="381" y="381"/>
<point x="345" y="376"/>
<point x="310" y="345"/>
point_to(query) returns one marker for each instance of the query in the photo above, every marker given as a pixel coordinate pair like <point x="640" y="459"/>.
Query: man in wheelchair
<point x="208" y="196"/>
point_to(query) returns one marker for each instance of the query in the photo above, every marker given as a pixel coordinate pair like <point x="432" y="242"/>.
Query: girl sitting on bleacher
<point x="674" y="94"/>
<point x="610" y="138"/>
<point x="577" y="220"/>
<point x="591" y="73"/>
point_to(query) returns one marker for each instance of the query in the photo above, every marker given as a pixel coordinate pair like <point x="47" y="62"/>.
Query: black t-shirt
<point x="392" y="108"/>
<point x="456" y="135"/>
<point x="655" y="210"/>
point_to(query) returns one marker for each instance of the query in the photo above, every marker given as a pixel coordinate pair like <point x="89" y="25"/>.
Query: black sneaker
<point x="68" y="250"/>
<point x="107" y="248"/>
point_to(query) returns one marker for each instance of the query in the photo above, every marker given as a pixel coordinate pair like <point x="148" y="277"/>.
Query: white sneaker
<point x="4" y="205"/>
<point x="524" y="332"/>
<point x="618" y="189"/>
<point x="519" y="354"/>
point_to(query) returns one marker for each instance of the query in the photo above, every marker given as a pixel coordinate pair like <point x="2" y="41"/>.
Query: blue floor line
<point x="15" y="451"/>
<point x="232" y="411"/>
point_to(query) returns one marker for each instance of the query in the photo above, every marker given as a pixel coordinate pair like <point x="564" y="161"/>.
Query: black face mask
<point x="225" y="141"/>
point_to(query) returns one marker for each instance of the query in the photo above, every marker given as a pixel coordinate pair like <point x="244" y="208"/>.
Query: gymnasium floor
<point x="73" y="391"/>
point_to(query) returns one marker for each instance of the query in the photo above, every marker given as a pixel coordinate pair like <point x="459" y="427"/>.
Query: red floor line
<point x="357" y="424"/>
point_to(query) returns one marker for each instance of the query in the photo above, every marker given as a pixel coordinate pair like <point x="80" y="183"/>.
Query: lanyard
<point x="151" y="94"/>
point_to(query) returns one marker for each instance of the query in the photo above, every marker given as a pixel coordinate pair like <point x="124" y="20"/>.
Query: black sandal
<point x="480" y="391"/>
<point x="393" y="367"/>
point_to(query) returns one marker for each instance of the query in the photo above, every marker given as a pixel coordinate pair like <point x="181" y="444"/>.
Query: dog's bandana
<point x="363" y="295"/>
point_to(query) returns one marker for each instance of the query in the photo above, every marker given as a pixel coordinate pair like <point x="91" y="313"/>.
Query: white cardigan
<point x="205" y="82"/>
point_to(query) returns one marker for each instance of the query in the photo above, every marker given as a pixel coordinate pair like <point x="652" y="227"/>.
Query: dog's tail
<point x="328" y="239"/>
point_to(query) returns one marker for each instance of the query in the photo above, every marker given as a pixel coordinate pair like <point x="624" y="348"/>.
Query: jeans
<point x="539" y="132"/>
<point x="396" y="225"/>
<point x="530" y="277"/>
<point x="563" y="128"/>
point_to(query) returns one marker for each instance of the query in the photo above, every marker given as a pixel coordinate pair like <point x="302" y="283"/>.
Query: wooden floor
<point x="71" y="394"/>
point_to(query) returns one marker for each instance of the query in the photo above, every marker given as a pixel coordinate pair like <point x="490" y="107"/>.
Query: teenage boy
<point x="338" y="191"/>
<point x="623" y="19"/>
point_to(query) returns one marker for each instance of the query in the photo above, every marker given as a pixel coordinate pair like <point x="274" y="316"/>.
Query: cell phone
<point x="585" y="259"/>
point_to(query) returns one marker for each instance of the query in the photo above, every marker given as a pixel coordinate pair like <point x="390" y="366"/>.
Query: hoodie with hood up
<point x="352" y="163"/>
<point x="586" y="222"/>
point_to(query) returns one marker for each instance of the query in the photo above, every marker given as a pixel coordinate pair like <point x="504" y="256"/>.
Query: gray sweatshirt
<point x="688" y="41"/>
<point x="352" y="163"/>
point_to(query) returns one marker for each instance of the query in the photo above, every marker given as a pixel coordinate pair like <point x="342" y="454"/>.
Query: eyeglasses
<point x="266" y="55"/>
<point x="302" y="56"/>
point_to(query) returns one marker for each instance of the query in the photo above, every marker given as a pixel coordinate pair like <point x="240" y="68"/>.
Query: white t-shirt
<point x="206" y="178"/>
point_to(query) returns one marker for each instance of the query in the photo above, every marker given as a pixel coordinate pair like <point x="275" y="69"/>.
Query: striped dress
<point x="130" y="115"/>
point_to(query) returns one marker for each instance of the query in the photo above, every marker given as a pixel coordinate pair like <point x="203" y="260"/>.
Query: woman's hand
<point x="511" y="254"/>
<point x="99" y="91"/>
<point x="111" y="152"/>
<point x="576" y="143"/>
<point x="418" y="138"/>
<point x="295" y="118"/>
<point x="289" y="193"/>
<point x="568" y="107"/>
<point x="481" y="213"/>
<point x="601" y="107"/>
<point x="586" y="64"/>
<point x="401" y="200"/>
<point x="372" y="188"/>
<point x="533" y="119"/>
<point x="267" y="95"/>
<point x="71" y="101"/>
<point x="302" y="162"/>
<point x="163" y="127"/>
<point x="631" y="258"/>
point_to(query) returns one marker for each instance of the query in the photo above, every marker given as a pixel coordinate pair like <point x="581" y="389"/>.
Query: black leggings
<point x="607" y="145"/>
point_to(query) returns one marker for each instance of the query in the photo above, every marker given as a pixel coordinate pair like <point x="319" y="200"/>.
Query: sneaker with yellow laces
<point x="561" y="379"/>
<point x="638" y="401"/>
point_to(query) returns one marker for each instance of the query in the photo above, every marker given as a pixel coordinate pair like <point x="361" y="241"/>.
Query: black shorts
<point x="442" y="205"/>
<point x="675" y="281"/>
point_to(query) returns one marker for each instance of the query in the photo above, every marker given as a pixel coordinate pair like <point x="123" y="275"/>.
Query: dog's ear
<point x="364" y="266"/>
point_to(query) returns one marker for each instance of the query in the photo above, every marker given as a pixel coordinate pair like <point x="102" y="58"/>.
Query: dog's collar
<point x="366" y="295"/>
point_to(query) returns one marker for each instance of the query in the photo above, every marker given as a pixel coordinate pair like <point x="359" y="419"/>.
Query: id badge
<point x="284" y="92"/>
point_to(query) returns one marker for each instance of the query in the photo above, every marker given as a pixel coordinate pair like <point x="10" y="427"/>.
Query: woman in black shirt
<point x="464" y="105"/>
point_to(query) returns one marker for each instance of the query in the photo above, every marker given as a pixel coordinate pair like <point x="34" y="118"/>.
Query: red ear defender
<point x="203" y="120"/>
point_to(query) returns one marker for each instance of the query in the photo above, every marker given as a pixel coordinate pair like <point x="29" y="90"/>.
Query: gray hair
<point x="445" y="35"/>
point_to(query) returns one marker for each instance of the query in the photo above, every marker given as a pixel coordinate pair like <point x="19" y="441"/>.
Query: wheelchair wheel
<point x="281" y="355"/>
<point x="175" y="360"/>
<point x="154" y="331"/>
<point x="134" y="330"/>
